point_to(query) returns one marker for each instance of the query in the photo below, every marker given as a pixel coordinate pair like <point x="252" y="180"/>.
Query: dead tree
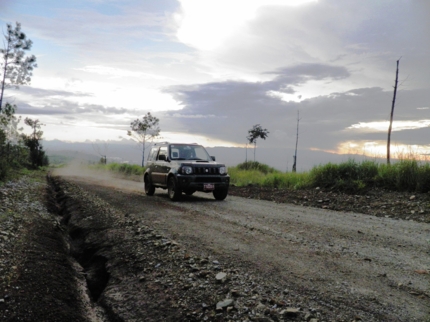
<point x="297" y="141"/>
<point x="392" y="113"/>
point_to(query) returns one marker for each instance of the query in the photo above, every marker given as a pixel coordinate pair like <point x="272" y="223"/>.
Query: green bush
<point x="255" y="165"/>
<point x="324" y="175"/>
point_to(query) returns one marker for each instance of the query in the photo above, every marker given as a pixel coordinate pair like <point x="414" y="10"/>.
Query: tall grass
<point x="255" y="173"/>
<point x="406" y="175"/>
<point x="350" y="176"/>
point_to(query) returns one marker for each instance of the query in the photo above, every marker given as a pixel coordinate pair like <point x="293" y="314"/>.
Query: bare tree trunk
<point x="143" y="153"/>
<point x="392" y="113"/>
<point x="246" y="155"/>
<point x="297" y="141"/>
<point x="255" y="147"/>
<point x="6" y="54"/>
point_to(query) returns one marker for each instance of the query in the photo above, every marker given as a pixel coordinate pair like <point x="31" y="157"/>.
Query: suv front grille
<point x="205" y="170"/>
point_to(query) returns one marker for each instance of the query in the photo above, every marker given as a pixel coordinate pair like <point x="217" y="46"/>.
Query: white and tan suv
<point x="186" y="168"/>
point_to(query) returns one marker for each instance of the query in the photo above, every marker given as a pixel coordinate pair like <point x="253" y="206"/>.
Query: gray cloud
<point x="300" y="74"/>
<point x="235" y="106"/>
<point x="65" y="107"/>
<point x="43" y="93"/>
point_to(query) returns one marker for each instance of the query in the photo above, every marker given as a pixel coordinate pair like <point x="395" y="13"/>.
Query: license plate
<point x="208" y="186"/>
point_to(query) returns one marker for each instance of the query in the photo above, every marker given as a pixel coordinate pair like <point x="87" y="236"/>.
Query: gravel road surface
<point x="346" y="266"/>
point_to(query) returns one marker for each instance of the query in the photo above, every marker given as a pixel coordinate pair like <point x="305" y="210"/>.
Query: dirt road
<point x="335" y="266"/>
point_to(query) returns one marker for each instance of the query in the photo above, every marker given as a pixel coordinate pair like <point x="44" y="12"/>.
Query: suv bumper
<point x="194" y="182"/>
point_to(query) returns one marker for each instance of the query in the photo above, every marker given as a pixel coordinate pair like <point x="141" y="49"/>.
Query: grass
<point x="349" y="176"/>
<point x="255" y="173"/>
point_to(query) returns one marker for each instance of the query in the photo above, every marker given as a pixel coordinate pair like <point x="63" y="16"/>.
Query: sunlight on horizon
<point x="378" y="149"/>
<point x="382" y="126"/>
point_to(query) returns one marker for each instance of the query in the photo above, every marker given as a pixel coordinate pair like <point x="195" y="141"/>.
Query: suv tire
<point x="174" y="194"/>
<point x="149" y="188"/>
<point x="220" y="194"/>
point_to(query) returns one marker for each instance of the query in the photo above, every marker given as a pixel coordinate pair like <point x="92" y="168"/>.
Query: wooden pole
<point x="392" y="113"/>
<point x="297" y="141"/>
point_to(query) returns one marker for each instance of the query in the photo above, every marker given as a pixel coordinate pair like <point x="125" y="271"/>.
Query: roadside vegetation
<point x="18" y="151"/>
<point x="350" y="176"/>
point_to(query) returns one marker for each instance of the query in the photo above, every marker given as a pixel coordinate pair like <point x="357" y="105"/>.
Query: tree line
<point x="17" y="150"/>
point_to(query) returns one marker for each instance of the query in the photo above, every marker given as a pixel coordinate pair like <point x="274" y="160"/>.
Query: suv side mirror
<point x="162" y="157"/>
<point x="213" y="158"/>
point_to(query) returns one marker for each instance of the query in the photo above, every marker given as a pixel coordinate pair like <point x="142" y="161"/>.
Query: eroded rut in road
<point x="154" y="260"/>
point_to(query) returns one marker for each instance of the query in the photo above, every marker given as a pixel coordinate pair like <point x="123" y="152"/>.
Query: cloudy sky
<point x="211" y="69"/>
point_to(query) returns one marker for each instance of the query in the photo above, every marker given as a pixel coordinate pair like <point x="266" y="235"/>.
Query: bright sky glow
<point x="207" y="24"/>
<point x="378" y="149"/>
<point x="397" y="125"/>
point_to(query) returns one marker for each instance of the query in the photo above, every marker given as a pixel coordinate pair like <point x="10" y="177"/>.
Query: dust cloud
<point x="80" y="171"/>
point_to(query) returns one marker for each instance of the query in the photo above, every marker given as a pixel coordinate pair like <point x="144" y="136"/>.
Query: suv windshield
<point x="188" y="152"/>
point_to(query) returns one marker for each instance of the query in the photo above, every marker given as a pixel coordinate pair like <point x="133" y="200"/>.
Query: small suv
<point x="186" y="168"/>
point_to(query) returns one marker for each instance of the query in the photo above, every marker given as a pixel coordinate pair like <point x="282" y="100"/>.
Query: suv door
<point x="150" y="162"/>
<point x="161" y="168"/>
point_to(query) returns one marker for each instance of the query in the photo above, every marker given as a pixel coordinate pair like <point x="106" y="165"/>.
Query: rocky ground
<point x="53" y="269"/>
<point x="377" y="202"/>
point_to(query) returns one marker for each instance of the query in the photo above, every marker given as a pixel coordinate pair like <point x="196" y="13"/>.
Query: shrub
<point x="386" y="177"/>
<point x="255" y="165"/>
<point x="423" y="181"/>
<point x="240" y="177"/>
<point x="348" y="176"/>
<point x="407" y="175"/>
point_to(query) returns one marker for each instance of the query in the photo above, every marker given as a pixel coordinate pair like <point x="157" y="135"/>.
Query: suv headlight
<point x="222" y="170"/>
<point x="187" y="170"/>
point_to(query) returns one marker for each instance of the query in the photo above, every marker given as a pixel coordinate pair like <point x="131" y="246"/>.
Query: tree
<point x="9" y="134"/>
<point x="9" y="123"/>
<point x="32" y="141"/>
<point x="256" y="132"/>
<point x="392" y="113"/>
<point x="144" y="130"/>
<point x="16" y="68"/>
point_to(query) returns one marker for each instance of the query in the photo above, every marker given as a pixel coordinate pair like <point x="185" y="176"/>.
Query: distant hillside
<point x="116" y="151"/>
<point x="129" y="152"/>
